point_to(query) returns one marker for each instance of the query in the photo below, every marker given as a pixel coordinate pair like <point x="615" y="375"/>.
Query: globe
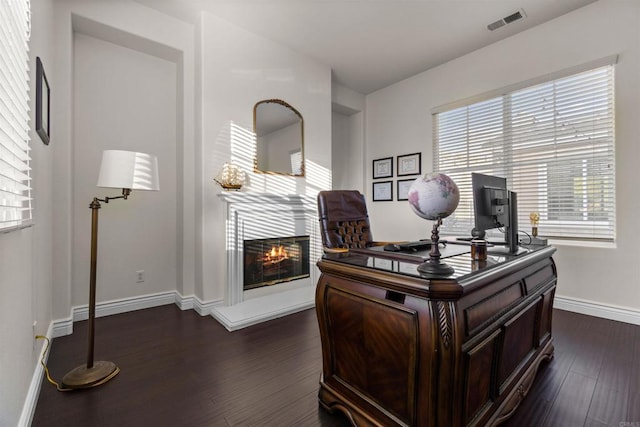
<point x="433" y="196"/>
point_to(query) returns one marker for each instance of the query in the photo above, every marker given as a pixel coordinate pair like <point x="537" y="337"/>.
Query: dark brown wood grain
<point x="181" y="369"/>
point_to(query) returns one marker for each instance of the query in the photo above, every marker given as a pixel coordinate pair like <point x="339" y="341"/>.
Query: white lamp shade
<point x="128" y="169"/>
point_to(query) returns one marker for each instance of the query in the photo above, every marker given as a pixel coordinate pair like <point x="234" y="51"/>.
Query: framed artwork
<point x="383" y="168"/>
<point x="42" y="102"/>
<point x="409" y="164"/>
<point x="382" y="191"/>
<point x="403" y="188"/>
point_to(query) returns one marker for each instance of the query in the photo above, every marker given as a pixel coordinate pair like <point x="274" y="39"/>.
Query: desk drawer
<point x="482" y="312"/>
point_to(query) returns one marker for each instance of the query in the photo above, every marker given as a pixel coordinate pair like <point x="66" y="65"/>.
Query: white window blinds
<point x="553" y="141"/>
<point x="15" y="181"/>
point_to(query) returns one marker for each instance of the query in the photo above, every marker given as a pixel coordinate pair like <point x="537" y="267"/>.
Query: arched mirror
<point x="279" y="138"/>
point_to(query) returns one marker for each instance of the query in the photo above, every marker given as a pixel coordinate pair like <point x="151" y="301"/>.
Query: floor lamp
<point x="129" y="171"/>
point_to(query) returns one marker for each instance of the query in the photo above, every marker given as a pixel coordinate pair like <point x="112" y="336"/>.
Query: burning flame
<point x="276" y="254"/>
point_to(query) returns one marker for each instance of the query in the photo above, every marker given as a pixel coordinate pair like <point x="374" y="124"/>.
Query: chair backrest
<point x="344" y="221"/>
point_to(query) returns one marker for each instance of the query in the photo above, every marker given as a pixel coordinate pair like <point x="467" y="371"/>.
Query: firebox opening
<point x="276" y="260"/>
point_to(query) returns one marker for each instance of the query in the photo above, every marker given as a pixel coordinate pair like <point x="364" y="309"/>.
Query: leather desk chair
<point x="344" y="221"/>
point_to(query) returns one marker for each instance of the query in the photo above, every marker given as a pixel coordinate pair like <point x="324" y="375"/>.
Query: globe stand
<point x="433" y="266"/>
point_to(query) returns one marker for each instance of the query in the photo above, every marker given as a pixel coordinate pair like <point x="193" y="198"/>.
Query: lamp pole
<point x="95" y="205"/>
<point x="93" y="373"/>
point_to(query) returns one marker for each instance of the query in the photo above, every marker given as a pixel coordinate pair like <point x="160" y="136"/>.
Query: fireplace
<point x="275" y="260"/>
<point x="250" y="216"/>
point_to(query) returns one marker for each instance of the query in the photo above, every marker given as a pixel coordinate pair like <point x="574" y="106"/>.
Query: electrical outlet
<point x="139" y="276"/>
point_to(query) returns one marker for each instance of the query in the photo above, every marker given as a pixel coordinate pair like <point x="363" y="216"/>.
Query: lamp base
<point x="83" y="377"/>
<point x="435" y="268"/>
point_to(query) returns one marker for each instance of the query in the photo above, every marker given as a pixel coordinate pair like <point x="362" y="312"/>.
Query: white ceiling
<point x="370" y="44"/>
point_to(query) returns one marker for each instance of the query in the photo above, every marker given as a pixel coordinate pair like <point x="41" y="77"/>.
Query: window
<point x="553" y="139"/>
<point x="296" y="161"/>
<point x="15" y="187"/>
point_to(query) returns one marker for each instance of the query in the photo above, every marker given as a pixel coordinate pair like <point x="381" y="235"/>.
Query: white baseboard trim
<point x="192" y="302"/>
<point x="126" y="305"/>
<point x="620" y="314"/>
<point x="62" y="327"/>
<point x="31" y="400"/>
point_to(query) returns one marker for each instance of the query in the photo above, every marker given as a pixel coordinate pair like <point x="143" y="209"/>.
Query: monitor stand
<point x="511" y="241"/>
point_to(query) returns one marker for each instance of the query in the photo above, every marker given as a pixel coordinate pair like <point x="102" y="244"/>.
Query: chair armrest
<point x="334" y="250"/>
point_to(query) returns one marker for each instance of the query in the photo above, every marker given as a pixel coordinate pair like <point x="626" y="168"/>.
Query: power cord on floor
<point x="44" y="365"/>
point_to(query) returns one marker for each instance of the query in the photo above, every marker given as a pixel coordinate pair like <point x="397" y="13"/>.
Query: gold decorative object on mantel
<point x="231" y="177"/>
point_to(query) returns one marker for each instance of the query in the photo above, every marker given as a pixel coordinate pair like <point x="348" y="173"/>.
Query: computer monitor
<point x="495" y="207"/>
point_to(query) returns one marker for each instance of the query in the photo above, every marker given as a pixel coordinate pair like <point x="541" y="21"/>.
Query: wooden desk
<point x="401" y="349"/>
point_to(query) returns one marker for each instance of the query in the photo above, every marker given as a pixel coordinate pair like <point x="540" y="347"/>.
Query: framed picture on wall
<point x="403" y="188"/>
<point x="409" y="164"/>
<point x="383" y="191"/>
<point x="383" y="168"/>
<point x="42" y="102"/>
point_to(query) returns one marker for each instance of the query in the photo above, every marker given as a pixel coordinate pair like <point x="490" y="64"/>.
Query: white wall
<point x="347" y="152"/>
<point x="152" y="55"/>
<point x="25" y="255"/>
<point x="347" y="139"/>
<point x="41" y="45"/>
<point x="123" y="100"/>
<point x="340" y="152"/>
<point x="239" y="69"/>
<point x="16" y="314"/>
<point x="399" y="122"/>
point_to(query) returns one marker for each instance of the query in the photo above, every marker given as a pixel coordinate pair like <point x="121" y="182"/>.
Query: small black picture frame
<point x="383" y="168"/>
<point x="43" y="103"/>
<point x="410" y="164"/>
<point x="403" y="188"/>
<point x="383" y="191"/>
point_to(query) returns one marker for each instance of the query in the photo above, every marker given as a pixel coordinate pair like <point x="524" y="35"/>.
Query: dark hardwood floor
<point x="181" y="369"/>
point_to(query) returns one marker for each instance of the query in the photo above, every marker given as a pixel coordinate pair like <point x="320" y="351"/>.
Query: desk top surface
<point x="457" y="256"/>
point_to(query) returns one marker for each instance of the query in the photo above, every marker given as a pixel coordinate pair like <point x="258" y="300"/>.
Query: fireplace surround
<point x="263" y="218"/>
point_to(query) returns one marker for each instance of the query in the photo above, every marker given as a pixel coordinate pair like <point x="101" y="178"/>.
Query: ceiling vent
<point x="507" y="20"/>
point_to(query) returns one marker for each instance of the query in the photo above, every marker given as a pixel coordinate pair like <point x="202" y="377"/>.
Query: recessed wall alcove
<point x="127" y="94"/>
<point x="250" y="217"/>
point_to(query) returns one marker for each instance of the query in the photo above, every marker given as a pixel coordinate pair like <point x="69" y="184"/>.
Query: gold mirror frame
<point x="287" y="118"/>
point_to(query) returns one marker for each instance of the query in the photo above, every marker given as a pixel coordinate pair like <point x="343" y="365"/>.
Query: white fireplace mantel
<point x="261" y="216"/>
<point x="275" y="199"/>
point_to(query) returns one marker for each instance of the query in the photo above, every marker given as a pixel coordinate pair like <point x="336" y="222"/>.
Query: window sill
<point x="554" y="242"/>
<point x="583" y="244"/>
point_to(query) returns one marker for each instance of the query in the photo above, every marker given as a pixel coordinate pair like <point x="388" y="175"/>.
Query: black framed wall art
<point x="43" y="103"/>
<point x="383" y="191"/>
<point x="383" y="168"/>
<point x="410" y="164"/>
<point x="403" y="188"/>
